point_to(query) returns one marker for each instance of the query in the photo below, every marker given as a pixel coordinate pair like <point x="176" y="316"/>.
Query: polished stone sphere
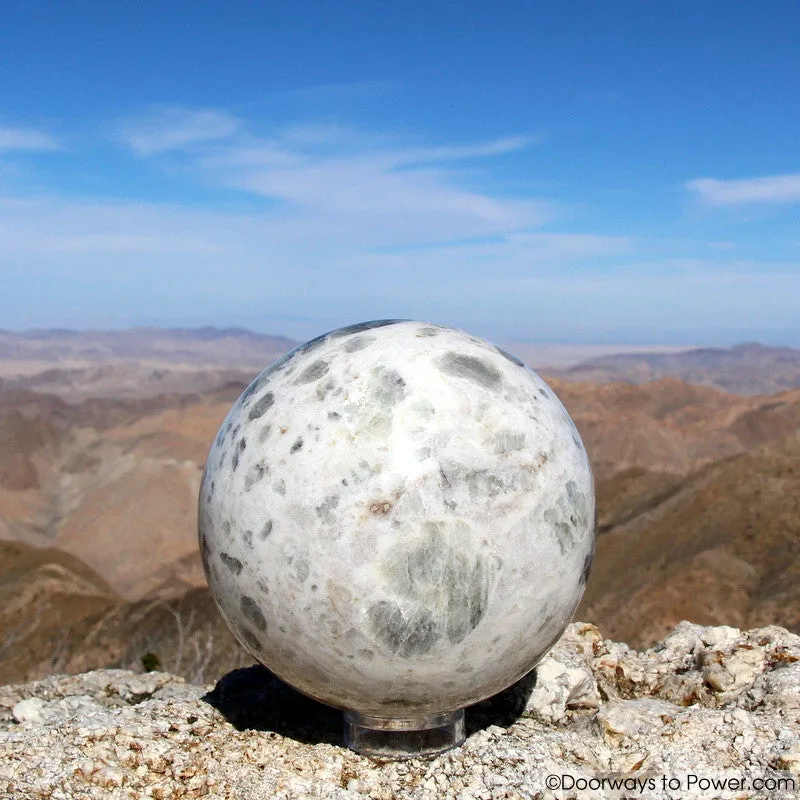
<point x="397" y="518"/>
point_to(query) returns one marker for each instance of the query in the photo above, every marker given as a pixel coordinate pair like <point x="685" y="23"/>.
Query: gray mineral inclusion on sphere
<point x="397" y="518"/>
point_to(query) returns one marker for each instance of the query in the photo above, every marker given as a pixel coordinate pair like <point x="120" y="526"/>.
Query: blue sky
<point x="571" y="172"/>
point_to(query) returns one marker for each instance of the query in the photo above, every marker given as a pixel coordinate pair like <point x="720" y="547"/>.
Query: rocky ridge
<point x="707" y="704"/>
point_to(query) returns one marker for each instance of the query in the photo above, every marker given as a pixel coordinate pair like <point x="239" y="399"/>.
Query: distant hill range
<point x="141" y="362"/>
<point x="134" y="363"/>
<point x="746" y="369"/>
<point x="182" y="345"/>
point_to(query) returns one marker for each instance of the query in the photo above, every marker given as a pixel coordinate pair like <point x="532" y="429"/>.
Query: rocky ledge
<point x="708" y="712"/>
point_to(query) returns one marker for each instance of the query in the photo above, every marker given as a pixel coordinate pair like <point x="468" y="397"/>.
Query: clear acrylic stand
<point x="414" y="737"/>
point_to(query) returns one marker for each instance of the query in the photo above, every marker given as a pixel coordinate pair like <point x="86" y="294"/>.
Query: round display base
<point x="417" y="737"/>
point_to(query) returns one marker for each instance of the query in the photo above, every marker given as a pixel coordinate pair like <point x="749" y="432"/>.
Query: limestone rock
<point x="564" y="678"/>
<point x="706" y="704"/>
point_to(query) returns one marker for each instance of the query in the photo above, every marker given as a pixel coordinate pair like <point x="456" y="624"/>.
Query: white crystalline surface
<point x="397" y="518"/>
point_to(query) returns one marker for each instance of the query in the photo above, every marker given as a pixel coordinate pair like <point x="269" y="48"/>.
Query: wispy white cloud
<point x="405" y="206"/>
<point x="560" y="247"/>
<point x="26" y="139"/>
<point x="174" y="128"/>
<point x="337" y="182"/>
<point x="494" y="147"/>
<point x="768" y="189"/>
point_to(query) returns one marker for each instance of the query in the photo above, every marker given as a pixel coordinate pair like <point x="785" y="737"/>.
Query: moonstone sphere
<point x="397" y="518"/>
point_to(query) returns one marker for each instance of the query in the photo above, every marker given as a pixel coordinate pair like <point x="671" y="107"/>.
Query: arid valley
<point x="696" y="455"/>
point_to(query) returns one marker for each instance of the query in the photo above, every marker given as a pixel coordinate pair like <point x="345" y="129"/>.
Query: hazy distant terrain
<point x="140" y="362"/>
<point x="744" y="369"/>
<point x="698" y="495"/>
<point x="148" y="361"/>
<point x="143" y="362"/>
<point x="176" y="345"/>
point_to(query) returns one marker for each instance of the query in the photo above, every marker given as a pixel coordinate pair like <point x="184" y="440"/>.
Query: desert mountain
<point x="698" y="515"/>
<point x="722" y="546"/>
<point x="746" y="369"/>
<point x="136" y="363"/>
<point x="58" y="615"/>
<point x="112" y="482"/>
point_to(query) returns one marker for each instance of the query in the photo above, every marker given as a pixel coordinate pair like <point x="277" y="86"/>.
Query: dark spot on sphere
<point x="266" y="530"/>
<point x="261" y="406"/>
<point x="364" y="326"/>
<point x="298" y="445"/>
<point x="313" y="372"/>
<point x="407" y="638"/>
<point x="510" y="357"/>
<point x="253" y="388"/>
<point x="242" y="443"/>
<point x="470" y="368"/>
<point x="250" y="639"/>
<point x="254" y="475"/>
<point x="543" y="392"/>
<point x="422" y="638"/>
<point x="387" y="622"/>
<point x="357" y="343"/>
<point x="325" y="509"/>
<point x="253" y="613"/>
<point x="573" y="495"/>
<point x="247" y="536"/>
<point x="233" y="564"/>
<point x="389" y="387"/>
<point x="587" y="566"/>
<point x="302" y="569"/>
<point x="264" y="433"/>
<point x="334" y="415"/>
<point x="205" y="550"/>
<point x="400" y="702"/>
<point x="235" y="460"/>
<point x="427" y="332"/>
<point x="309" y="346"/>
